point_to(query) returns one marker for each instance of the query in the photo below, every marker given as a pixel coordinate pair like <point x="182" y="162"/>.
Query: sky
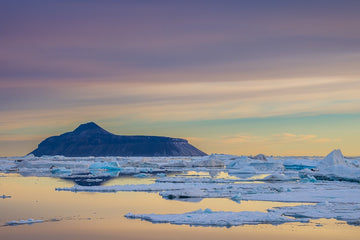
<point x="238" y="77"/>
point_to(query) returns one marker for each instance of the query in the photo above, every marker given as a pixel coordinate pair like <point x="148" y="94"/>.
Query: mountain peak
<point x="90" y="126"/>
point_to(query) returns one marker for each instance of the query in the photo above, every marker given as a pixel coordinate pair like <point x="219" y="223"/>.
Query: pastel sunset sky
<point x="275" y="77"/>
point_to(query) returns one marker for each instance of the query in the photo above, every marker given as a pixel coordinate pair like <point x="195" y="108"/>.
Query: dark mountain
<point x="91" y="140"/>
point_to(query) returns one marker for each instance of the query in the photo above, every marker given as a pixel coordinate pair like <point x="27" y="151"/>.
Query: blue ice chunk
<point x="110" y="166"/>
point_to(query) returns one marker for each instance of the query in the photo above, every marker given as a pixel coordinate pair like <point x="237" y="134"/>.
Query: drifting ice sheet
<point x="344" y="192"/>
<point x="219" y="219"/>
<point x="348" y="212"/>
<point x="21" y="222"/>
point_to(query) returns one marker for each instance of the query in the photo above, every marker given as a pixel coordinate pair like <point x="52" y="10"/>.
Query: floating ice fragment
<point x="61" y="170"/>
<point x="238" y="163"/>
<point x="277" y="177"/>
<point x="300" y="192"/>
<point x="186" y="193"/>
<point x="142" y="175"/>
<point x="161" y="175"/>
<point x="305" y="178"/>
<point x="349" y="212"/>
<point x="237" y="197"/>
<point x="111" y="166"/>
<point x="261" y="157"/>
<point x="208" y="217"/>
<point x="21" y="222"/>
<point x="212" y="162"/>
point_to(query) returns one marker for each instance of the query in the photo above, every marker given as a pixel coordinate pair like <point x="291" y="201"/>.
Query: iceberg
<point x="333" y="158"/>
<point x="261" y="157"/>
<point x="334" y="167"/>
<point x="238" y="163"/>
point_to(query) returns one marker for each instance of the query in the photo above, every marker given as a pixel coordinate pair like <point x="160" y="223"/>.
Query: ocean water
<point x="82" y="215"/>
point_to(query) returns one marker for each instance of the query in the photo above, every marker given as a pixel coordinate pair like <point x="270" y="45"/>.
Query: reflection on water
<point x="100" y="215"/>
<point x="115" y="178"/>
<point x="107" y="178"/>
<point x="86" y="179"/>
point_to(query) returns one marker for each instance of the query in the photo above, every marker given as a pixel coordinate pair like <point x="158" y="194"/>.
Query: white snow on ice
<point x="332" y="183"/>
<point x="208" y="217"/>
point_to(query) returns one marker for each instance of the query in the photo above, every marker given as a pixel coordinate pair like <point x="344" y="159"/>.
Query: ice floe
<point x="280" y="192"/>
<point x="112" y="166"/>
<point x="212" y="161"/>
<point x="349" y="212"/>
<point x="142" y="175"/>
<point x="22" y="222"/>
<point x="278" y="177"/>
<point x="259" y="157"/>
<point x="331" y="183"/>
<point x="208" y="217"/>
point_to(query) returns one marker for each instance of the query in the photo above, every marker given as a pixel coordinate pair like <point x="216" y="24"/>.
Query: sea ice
<point x="208" y="217"/>
<point x="212" y="162"/>
<point x="334" y="158"/>
<point x="238" y="163"/>
<point x="21" y="222"/>
<point x="110" y="166"/>
<point x="261" y="157"/>
<point x="195" y="180"/>
<point x="299" y="163"/>
<point x="334" y="167"/>
<point x="349" y="212"/>
<point x="6" y="164"/>
<point x="142" y="175"/>
<point x="60" y="171"/>
<point x="278" y="177"/>
<point x="280" y="192"/>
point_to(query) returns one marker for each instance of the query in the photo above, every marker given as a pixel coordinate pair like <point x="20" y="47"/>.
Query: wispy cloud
<point x="242" y="139"/>
<point x="294" y="137"/>
<point x="290" y="137"/>
<point x="60" y="66"/>
<point x="277" y="138"/>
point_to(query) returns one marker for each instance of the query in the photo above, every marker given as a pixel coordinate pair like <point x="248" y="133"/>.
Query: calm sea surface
<point x="101" y="215"/>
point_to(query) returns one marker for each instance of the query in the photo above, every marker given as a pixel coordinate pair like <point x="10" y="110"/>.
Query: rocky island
<point x="89" y="139"/>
